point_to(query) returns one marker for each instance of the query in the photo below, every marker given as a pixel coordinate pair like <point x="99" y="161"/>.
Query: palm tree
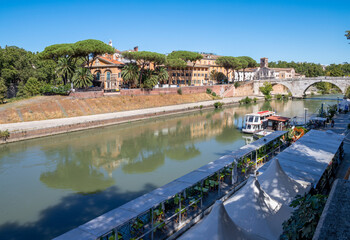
<point x="82" y="78"/>
<point x="162" y="74"/>
<point x="65" y="68"/>
<point x="130" y="74"/>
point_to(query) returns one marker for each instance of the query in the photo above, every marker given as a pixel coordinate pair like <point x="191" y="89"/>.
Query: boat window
<point x="251" y="118"/>
<point x="256" y="119"/>
<point x="248" y="126"/>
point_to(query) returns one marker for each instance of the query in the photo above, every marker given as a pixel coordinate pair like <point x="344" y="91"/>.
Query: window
<point x="119" y="75"/>
<point x="195" y="74"/>
<point x="108" y="76"/>
<point x="98" y="76"/>
<point x="186" y="74"/>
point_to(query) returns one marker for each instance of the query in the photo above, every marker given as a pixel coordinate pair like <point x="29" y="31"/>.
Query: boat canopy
<point x="308" y="158"/>
<point x="278" y="118"/>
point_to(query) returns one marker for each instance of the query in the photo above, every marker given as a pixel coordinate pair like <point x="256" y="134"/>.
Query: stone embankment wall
<point x="227" y="90"/>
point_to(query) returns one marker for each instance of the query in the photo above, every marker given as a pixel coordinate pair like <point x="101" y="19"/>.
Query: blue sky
<point x="304" y="30"/>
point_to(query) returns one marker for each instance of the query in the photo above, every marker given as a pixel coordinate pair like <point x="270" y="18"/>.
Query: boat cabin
<point x="277" y="123"/>
<point x="256" y="121"/>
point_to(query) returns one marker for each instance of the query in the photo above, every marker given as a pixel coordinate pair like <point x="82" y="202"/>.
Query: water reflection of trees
<point x="76" y="172"/>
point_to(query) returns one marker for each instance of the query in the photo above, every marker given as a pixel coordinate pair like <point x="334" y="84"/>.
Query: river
<point x="53" y="184"/>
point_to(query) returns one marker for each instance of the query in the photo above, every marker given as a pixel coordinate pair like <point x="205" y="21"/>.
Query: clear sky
<point x="299" y="30"/>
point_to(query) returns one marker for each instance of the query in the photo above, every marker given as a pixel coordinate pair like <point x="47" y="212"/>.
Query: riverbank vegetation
<point x="25" y="74"/>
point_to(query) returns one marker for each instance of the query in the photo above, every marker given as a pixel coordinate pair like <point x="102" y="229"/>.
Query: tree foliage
<point x="57" y="51"/>
<point x="65" y="68"/>
<point x="82" y="78"/>
<point x="347" y="34"/>
<point x="144" y="59"/>
<point x="266" y="89"/>
<point x="304" y="68"/>
<point x="3" y="91"/>
<point x="130" y="74"/>
<point x="89" y="50"/>
<point x="32" y="87"/>
<point x="303" y="222"/>
<point x="186" y="56"/>
<point x="229" y="63"/>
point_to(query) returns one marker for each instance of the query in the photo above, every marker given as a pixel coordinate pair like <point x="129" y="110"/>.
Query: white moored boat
<point x="255" y="122"/>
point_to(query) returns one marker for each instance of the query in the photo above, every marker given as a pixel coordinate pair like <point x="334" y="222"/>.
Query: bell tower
<point x="264" y="62"/>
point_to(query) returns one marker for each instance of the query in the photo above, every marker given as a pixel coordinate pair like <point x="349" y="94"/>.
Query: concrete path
<point x="36" y="125"/>
<point x="341" y="122"/>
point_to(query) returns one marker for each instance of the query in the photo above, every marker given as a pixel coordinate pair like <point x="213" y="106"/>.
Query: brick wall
<point x="92" y="94"/>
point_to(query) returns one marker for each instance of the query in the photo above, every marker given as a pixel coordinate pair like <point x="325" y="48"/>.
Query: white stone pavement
<point x="35" y="125"/>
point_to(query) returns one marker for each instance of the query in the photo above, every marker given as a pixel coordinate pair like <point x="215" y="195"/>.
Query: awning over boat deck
<point x="257" y="144"/>
<point x="308" y="158"/>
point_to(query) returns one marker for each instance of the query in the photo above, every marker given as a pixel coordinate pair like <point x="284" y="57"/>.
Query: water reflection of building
<point x="211" y="127"/>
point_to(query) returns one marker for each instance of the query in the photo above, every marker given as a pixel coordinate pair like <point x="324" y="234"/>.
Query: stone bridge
<point x="298" y="86"/>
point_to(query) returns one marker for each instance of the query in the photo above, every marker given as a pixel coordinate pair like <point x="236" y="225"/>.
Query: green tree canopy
<point x="89" y="50"/>
<point x="347" y="34"/>
<point x="266" y="89"/>
<point x="187" y="56"/>
<point x="57" y="51"/>
<point x="229" y="63"/>
<point x="144" y="59"/>
<point x="3" y="90"/>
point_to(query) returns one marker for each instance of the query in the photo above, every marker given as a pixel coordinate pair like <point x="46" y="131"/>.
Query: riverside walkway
<point x="27" y="130"/>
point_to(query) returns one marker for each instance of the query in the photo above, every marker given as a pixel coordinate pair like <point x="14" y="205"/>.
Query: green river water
<point x="53" y="184"/>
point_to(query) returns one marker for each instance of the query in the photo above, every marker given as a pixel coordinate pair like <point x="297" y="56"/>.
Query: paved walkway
<point x="341" y="122"/>
<point x="36" y="125"/>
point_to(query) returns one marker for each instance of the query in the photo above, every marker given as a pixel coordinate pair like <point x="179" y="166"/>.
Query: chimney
<point x="110" y="43"/>
<point x="264" y="62"/>
<point x="136" y="49"/>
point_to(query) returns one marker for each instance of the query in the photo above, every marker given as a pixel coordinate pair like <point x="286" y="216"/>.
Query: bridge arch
<point x="341" y="87"/>
<point x="281" y="84"/>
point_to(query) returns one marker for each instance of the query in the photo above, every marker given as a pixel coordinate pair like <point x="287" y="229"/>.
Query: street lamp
<point x="305" y="111"/>
<point x="337" y="104"/>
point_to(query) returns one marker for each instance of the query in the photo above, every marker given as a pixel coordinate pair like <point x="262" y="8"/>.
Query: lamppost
<point x="337" y="104"/>
<point x="305" y="110"/>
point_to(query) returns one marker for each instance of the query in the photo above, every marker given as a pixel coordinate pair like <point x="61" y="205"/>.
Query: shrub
<point x="32" y="87"/>
<point x="214" y="94"/>
<point x="268" y="97"/>
<point x="48" y="89"/>
<point x="218" y="105"/>
<point x="289" y="94"/>
<point x="236" y="84"/>
<point x="303" y="222"/>
<point x="209" y="91"/>
<point x="278" y="96"/>
<point x="255" y="99"/>
<point x="4" y="135"/>
<point x="247" y="100"/>
<point x="179" y="91"/>
<point x="201" y="106"/>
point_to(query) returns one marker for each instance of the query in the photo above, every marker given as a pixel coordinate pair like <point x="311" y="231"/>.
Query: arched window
<point x="98" y="76"/>
<point x="108" y="76"/>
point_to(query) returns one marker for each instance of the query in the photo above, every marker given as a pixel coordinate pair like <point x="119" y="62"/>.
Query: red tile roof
<point x="109" y="59"/>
